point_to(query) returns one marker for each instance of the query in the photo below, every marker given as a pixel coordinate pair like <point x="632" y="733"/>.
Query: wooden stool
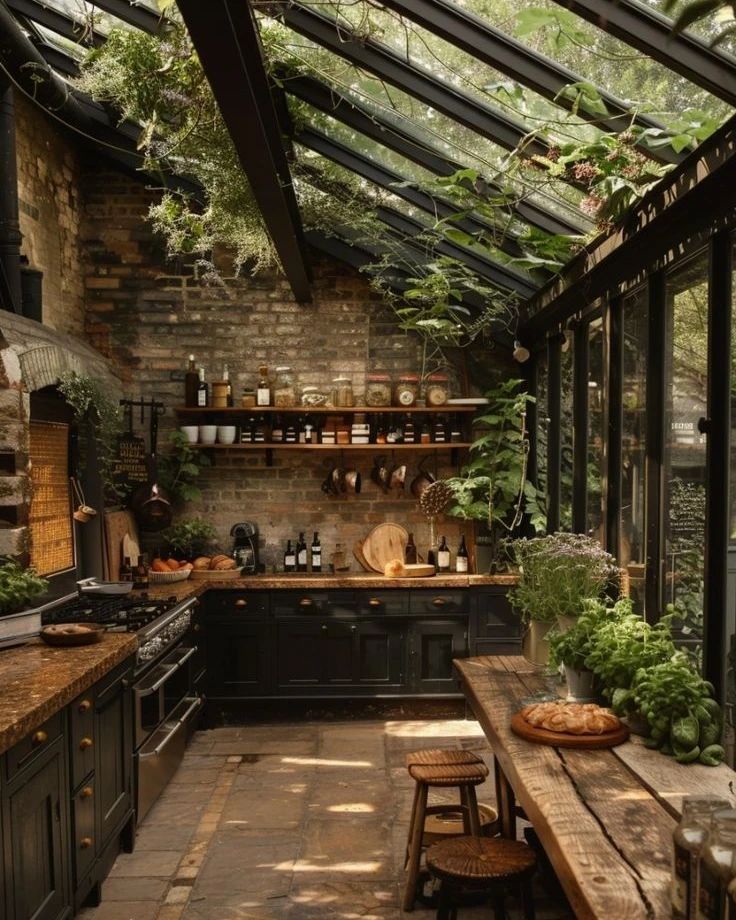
<point x="439" y="769"/>
<point x="482" y="862"/>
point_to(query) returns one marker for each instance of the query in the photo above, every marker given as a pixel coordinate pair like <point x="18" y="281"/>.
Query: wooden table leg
<point x="505" y="801"/>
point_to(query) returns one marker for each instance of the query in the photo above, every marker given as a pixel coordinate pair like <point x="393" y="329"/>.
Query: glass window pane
<point x="686" y="370"/>
<point x="595" y="514"/>
<point x="566" y="448"/>
<point x="632" y="538"/>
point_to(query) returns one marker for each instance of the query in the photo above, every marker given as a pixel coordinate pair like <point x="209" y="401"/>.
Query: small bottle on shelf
<point x="191" y="383"/>
<point x="443" y="556"/>
<point x="290" y="434"/>
<point x="409" y="433"/>
<point x="289" y="558"/>
<point x="316" y="550"/>
<point x="410" y="553"/>
<point x="461" y="560"/>
<point x="140" y="576"/>
<point x="226" y="379"/>
<point x="126" y="570"/>
<point x="277" y="431"/>
<point x="203" y="391"/>
<point x="263" y="391"/>
<point x="301" y="553"/>
<point x="426" y="434"/>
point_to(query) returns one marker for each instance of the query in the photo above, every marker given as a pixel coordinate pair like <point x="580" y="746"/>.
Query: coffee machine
<point x="245" y="547"/>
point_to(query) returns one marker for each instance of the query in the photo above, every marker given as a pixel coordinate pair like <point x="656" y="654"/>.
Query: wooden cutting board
<point x="384" y="543"/>
<point x="519" y="726"/>
<point x="418" y="570"/>
<point x="118" y="524"/>
<point x="358" y="553"/>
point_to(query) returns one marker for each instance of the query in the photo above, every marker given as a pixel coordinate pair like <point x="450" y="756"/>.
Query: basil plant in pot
<point x="557" y="575"/>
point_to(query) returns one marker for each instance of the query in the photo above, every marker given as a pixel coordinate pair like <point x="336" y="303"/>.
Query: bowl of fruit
<point x="167" y="571"/>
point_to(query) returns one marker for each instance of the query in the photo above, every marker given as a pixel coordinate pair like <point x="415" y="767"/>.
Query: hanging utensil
<point x="152" y="507"/>
<point x="84" y="512"/>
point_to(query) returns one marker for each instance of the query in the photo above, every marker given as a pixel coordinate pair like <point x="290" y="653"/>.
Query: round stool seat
<point x="480" y="861"/>
<point x="439" y="757"/>
<point x="459" y="774"/>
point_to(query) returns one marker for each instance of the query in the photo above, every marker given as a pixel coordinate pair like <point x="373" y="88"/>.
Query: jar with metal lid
<point x="437" y="390"/>
<point x="378" y="390"/>
<point x="342" y="392"/>
<point x="284" y="389"/>
<point x="689" y="838"/>
<point x="314" y="397"/>
<point x="248" y="399"/>
<point x="407" y="390"/>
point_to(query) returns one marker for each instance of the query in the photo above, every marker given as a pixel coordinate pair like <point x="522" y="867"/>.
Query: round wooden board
<point x="418" y="570"/>
<point x="383" y="544"/>
<point x="520" y="727"/>
<point x="215" y="574"/>
<point x="56" y="635"/>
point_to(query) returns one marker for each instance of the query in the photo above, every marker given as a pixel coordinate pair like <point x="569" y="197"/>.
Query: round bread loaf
<point x="202" y="562"/>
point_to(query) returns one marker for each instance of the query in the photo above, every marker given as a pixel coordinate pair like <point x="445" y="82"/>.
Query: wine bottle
<point x="461" y="560"/>
<point x="203" y="391"/>
<point x="443" y="556"/>
<point x="410" y="553"/>
<point x="301" y="553"/>
<point x="226" y="378"/>
<point x="191" y="383"/>
<point x="316" y="553"/>
<point x="289" y="558"/>
<point x="140" y="576"/>
<point x="263" y="390"/>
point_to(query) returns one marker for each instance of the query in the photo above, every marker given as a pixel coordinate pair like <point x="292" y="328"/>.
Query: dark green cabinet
<point x="238" y="657"/>
<point x="35" y="807"/>
<point x="379" y="655"/>
<point x="433" y="646"/>
<point x="113" y="761"/>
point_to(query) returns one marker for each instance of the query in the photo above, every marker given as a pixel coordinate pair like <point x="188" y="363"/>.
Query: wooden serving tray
<point x="57" y="635"/>
<point x="417" y="570"/>
<point x="520" y="727"/>
<point x="214" y="574"/>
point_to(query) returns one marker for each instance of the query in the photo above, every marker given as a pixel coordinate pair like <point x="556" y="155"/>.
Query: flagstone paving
<point x="288" y="822"/>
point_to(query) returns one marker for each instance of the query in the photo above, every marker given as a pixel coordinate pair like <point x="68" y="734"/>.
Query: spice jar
<point x="407" y="389"/>
<point x="219" y="394"/>
<point x="437" y="391"/>
<point x="314" y="397"/>
<point x="378" y="390"/>
<point x="689" y="837"/>
<point x="716" y="866"/>
<point x="342" y="392"/>
<point x="284" y="391"/>
<point x="248" y="399"/>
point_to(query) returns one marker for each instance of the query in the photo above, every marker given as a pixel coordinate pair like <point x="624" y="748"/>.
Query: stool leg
<point x="499" y="909"/>
<point x="527" y="898"/>
<point x="443" y="902"/>
<point x="465" y="811"/>
<point x="473" y="811"/>
<point x="415" y="847"/>
<point x="505" y="802"/>
<point x="411" y="823"/>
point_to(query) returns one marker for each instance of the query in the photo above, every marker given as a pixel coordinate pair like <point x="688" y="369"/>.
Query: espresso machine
<point x="245" y="547"/>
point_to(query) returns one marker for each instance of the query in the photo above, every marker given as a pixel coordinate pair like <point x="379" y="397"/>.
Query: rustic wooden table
<point x="605" y="818"/>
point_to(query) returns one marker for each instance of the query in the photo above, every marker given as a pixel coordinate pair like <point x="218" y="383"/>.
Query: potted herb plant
<point x="557" y="574"/>
<point x="190" y="537"/>
<point x="18" y="587"/>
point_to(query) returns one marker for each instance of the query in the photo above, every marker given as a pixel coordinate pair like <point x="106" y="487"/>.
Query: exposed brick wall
<point x="49" y="202"/>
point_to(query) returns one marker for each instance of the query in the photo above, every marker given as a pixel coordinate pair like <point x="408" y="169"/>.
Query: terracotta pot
<point x="536" y="644"/>
<point x="580" y="685"/>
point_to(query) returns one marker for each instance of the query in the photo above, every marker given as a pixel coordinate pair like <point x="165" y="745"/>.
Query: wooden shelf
<point x="268" y="445"/>
<point x="321" y="410"/>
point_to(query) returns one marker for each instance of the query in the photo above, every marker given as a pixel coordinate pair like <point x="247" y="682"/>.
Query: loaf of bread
<point x="571" y="718"/>
<point x="394" y="569"/>
<point x="158" y="565"/>
<point x="217" y="559"/>
<point x="224" y="564"/>
<point x="202" y="562"/>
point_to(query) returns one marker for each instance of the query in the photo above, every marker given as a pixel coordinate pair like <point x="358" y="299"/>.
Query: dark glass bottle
<point x="126" y="570"/>
<point x="301" y="553"/>
<point x="191" y="383"/>
<point x="316" y="553"/>
<point x="289" y="558"/>
<point x="410" y="553"/>
<point x="203" y="391"/>
<point x="226" y="378"/>
<point x="443" y="556"/>
<point x="461" y="560"/>
<point x="140" y="575"/>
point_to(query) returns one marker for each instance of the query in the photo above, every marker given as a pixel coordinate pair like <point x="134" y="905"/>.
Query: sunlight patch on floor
<point x="451" y="728"/>
<point x="322" y="762"/>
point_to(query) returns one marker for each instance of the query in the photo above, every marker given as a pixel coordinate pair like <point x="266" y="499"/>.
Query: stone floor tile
<point x="269" y="810"/>
<point x="280" y="746"/>
<point x="134" y="889"/>
<point x="146" y="864"/>
<point x="344" y="798"/>
<point x="242" y="907"/>
<point x="121" y="910"/>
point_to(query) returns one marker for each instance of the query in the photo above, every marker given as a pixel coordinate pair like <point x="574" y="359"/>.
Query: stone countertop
<point x="309" y="582"/>
<point x="37" y="680"/>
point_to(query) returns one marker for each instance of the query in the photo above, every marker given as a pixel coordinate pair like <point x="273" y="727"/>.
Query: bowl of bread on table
<point x="215" y="568"/>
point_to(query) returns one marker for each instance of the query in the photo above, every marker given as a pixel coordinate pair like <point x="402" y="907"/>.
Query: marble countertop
<point x="37" y="680"/>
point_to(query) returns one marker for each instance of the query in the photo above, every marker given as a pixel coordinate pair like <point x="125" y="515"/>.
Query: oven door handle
<point x="187" y="656"/>
<point x="159" y="747"/>
<point x="161" y="681"/>
<point x="197" y="704"/>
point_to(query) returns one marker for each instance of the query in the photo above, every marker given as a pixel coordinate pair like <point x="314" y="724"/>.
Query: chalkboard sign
<point x="130" y="465"/>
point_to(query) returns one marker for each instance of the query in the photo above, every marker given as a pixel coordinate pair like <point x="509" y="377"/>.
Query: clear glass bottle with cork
<point x="717" y="867"/>
<point x="263" y="390"/>
<point x="688" y="840"/>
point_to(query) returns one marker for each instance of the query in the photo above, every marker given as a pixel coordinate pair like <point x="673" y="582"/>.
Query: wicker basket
<point x="168" y="578"/>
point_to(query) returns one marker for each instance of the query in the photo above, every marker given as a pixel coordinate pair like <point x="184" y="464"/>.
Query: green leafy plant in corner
<point x="190" y="537"/>
<point x="574" y="646"/>
<point x="18" y="586"/>
<point x="179" y="469"/>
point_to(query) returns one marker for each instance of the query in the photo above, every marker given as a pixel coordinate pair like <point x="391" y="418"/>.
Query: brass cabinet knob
<point x="324" y="627"/>
<point x="439" y="601"/>
<point x="353" y="627"/>
<point x="85" y="843"/>
<point x="85" y="743"/>
<point x="86" y="793"/>
<point x="375" y="602"/>
<point x="196" y="627"/>
<point x="306" y="602"/>
<point x="40" y="737"/>
<point x="241" y="602"/>
<point x="85" y="706"/>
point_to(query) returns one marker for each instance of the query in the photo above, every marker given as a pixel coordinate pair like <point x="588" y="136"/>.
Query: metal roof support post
<point x="10" y="235"/>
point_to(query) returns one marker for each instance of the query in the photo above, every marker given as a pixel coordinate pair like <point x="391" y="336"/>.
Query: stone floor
<point x="286" y="822"/>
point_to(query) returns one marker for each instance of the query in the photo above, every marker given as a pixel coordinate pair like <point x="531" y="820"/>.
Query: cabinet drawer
<point x="323" y="603"/>
<point x="443" y="602"/>
<point x="252" y="603"/>
<point x="82" y="719"/>
<point x="83" y="829"/>
<point x="388" y="602"/>
<point x="496" y="647"/>
<point x="496" y="616"/>
<point x="33" y="745"/>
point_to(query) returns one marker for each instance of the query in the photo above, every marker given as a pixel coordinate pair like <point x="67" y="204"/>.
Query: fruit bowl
<point x="167" y="578"/>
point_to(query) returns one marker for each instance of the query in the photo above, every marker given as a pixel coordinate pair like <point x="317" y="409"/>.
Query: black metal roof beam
<point x="403" y="187"/>
<point x="134" y="14"/>
<point x="462" y="28"/>
<point x="73" y="29"/>
<point x="648" y="31"/>
<point x="501" y="276"/>
<point x="225" y="37"/>
<point x="384" y="63"/>
<point x="402" y="140"/>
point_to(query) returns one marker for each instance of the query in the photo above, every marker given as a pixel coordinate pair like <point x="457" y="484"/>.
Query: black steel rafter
<point x="462" y="28"/>
<point x="73" y="29"/>
<point x="383" y="62"/>
<point x="402" y="140"/>
<point x="135" y="14"/>
<point x="225" y="37"/>
<point x="648" y="31"/>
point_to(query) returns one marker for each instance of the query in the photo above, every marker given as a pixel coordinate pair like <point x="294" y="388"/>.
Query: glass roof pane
<point x="90" y="16"/>
<point x="708" y="28"/>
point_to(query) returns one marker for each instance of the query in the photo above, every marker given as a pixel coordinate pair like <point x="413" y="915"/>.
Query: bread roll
<point x="394" y="569"/>
<point x="158" y="565"/>
<point x="225" y="564"/>
<point x="173" y="565"/>
<point x="202" y="562"/>
<point x="220" y="557"/>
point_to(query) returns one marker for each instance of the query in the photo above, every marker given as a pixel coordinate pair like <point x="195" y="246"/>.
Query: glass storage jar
<point x="314" y="397"/>
<point x="378" y="390"/>
<point x="406" y="391"/>
<point x="437" y="391"/>
<point x="284" y="389"/>
<point x="342" y="392"/>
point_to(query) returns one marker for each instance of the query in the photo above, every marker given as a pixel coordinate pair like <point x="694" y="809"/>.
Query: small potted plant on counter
<point x="557" y="574"/>
<point x="190" y="538"/>
<point x="18" y="587"/>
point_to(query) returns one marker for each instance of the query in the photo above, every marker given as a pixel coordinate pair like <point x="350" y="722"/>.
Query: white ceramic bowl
<point x="190" y="432"/>
<point x="226" y="434"/>
<point x="207" y="434"/>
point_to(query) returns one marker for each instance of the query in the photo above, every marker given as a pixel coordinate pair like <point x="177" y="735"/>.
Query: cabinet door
<point x="238" y="656"/>
<point x="379" y="654"/>
<point x="113" y="760"/>
<point x="300" y="653"/>
<point x="434" y="644"/>
<point x="36" y="845"/>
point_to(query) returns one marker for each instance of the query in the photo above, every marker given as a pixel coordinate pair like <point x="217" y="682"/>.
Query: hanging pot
<point x="84" y="512"/>
<point x="422" y="480"/>
<point x="151" y="505"/>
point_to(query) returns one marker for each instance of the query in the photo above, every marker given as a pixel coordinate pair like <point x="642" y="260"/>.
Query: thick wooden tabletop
<point x="605" y="818"/>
